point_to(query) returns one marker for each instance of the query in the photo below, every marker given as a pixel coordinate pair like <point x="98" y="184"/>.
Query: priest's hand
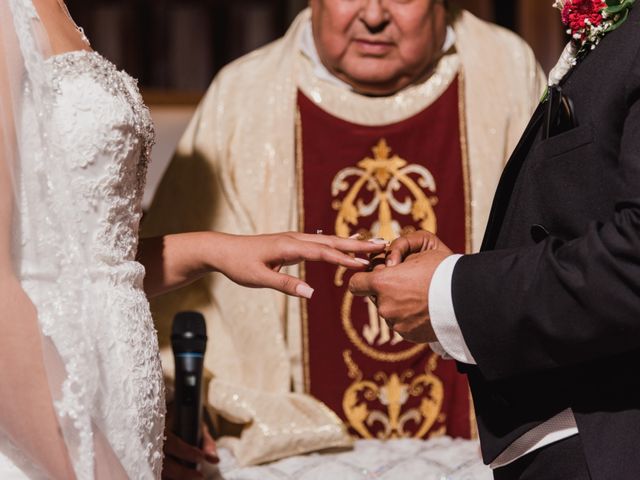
<point x="401" y="290"/>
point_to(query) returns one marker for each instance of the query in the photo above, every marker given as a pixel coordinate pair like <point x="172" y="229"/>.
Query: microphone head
<point x="189" y="333"/>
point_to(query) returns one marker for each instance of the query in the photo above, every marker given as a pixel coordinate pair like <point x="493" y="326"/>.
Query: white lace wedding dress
<point x="79" y="268"/>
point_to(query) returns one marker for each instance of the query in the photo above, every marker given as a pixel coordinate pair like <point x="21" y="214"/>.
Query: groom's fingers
<point x="362" y="284"/>
<point x="404" y="246"/>
<point x="398" y="251"/>
<point x="411" y="243"/>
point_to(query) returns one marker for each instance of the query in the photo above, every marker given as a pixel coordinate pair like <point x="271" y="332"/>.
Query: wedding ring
<point x="377" y="261"/>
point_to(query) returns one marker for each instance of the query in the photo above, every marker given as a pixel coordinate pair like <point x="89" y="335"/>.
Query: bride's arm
<point x="26" y="407"/>
<point x="173" y="261"/>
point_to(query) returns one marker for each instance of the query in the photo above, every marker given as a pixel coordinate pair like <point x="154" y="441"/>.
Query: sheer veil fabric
<point x="49" y="248"/>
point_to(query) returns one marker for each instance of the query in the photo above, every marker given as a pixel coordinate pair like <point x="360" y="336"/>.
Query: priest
<point x="368" y="118"/>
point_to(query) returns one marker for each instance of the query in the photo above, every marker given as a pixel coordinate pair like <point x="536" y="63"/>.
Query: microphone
<point x="189" y="342"/>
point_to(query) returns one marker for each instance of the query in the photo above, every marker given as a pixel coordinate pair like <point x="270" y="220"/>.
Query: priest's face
<point x="379" y="46"/>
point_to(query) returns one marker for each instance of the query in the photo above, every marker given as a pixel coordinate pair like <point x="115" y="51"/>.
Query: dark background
<point x="175" y="47"/>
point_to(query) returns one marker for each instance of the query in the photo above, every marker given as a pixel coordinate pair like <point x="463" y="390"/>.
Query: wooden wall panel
<point x="540" y="26"/>
<point x="481" y="8"/>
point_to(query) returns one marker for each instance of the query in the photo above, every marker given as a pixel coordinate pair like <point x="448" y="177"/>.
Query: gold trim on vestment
<point x="468" y="199"/>
<point x="466" y="177"/>
<point x="473" y="421"/>
<point x="303" y="301"/>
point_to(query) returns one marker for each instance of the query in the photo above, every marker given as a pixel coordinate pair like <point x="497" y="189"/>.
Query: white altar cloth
<point x="405" y="459"/>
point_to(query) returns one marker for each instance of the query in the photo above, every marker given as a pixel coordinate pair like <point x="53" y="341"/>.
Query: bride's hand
<point x="256" y="261"/>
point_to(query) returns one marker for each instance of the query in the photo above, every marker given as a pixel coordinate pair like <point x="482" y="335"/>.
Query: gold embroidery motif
<point x="359" y="339"/>
<point x="384" y="175"/>
<point x="393" y="391"/>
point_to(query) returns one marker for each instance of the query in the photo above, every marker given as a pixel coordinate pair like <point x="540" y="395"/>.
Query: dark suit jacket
<point x="550" y="308"/>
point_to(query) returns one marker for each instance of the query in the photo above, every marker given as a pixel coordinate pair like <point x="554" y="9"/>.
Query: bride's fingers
<point x="283" y="283"/>
<point x="320" y="252"/>
<point x="344" y="244"/>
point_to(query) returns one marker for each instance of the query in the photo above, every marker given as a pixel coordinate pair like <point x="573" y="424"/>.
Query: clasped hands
<point x="399" y="284"/>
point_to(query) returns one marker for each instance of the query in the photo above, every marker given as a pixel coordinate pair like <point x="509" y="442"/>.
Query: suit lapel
<point x="509" y="177"/>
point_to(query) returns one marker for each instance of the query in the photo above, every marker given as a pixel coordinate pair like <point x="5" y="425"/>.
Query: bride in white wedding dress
<point x="81" y="394"/>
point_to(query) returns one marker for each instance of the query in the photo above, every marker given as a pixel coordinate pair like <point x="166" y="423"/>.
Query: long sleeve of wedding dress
<point x="82" y="391"/>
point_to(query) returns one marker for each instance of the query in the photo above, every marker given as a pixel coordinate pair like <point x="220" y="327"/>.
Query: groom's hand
<point x="401" y="291"/>
<point x="411" y="243"/>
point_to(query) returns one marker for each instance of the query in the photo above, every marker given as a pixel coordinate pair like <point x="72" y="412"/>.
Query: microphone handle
<point x="188" y="400"/>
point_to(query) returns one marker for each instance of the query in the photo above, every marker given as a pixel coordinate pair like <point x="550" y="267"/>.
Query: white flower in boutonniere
<point x="587" y="21"/>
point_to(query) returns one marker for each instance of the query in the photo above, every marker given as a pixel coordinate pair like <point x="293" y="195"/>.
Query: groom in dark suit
<point x="546" y="319"/>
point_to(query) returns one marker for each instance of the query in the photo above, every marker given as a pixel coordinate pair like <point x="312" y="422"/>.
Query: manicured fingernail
<point x="378" y="241"/>
<point x="390" y="262"/>
<point x="304" y="291"/>
<point x="363" y="261"/>
<point x="355" y="236"/>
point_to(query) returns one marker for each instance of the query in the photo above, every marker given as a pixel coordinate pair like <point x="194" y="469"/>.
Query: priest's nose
<point x="374" y="16"/>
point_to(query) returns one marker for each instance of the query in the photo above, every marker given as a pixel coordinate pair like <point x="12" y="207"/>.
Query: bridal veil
<point x="41" y="214"/>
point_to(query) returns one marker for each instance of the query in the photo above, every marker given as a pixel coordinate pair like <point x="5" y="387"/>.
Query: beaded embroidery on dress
<point x="79" y="187"/>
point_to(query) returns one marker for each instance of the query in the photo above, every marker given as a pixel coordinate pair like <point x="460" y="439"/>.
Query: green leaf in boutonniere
<point x="618" y="11"/>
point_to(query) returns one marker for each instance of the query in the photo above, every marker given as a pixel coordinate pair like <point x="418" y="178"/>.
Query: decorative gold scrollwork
<point x="384" y="175"/>
<point x="393" y="391"/>
<point x="359" y="339"/>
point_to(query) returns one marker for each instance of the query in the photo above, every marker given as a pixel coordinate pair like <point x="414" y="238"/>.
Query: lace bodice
<point x="89" y="293"/>
<point x="104" y="130"/>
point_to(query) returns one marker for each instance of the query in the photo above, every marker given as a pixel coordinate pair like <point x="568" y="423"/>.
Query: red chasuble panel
<point x="380" y="181"/>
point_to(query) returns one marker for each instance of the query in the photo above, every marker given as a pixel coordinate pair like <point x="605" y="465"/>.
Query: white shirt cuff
<point x="443" y="316"/>
<point x="438" y="350"/>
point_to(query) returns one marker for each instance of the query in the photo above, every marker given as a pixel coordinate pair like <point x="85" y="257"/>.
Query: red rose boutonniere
<point x="587" y="21"/>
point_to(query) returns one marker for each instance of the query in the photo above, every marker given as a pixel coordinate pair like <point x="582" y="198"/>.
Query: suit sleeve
<point x="559" y="303"/>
